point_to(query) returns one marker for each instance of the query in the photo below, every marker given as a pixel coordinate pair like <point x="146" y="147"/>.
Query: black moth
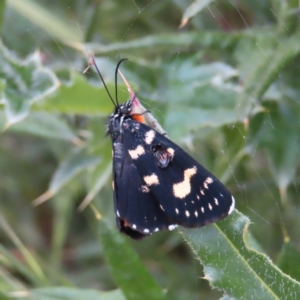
<point x="156" y="184"/>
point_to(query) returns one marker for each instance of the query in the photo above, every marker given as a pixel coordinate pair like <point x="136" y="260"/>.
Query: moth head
<point x="115" y="120"/>
<point x="124" y="109"/>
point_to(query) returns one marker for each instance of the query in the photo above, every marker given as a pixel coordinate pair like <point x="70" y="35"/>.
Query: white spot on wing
<point x="137" y="152"/>
<point x="118" y="214"/>
<point x="216" y="201"/>
<point x="145" y="189"/>
<point x="171" y="151"/>
<point x="207" y="181"/>
<point x="146" y="230"/>
<point x="231" y="208"/>
<point x="177" y="211"/>
<point x="202" y="209"/>
<point x="172" y="227"/>
<point x="209" y="206"/>
<point x="161" y="207"/>
<point x="182" y="189"/>
<point x="149" y="137"/>
<point x="151" y="180"/>
<point x="134" y="226"/>
<point x="196" y="214"/>
<point x="187" y="213"/>
<point x="156" y="229"/>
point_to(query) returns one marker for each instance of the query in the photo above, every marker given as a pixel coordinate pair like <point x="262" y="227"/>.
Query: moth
<point x="156" y="184"/>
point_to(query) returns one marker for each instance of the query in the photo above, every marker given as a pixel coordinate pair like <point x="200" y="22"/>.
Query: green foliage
<point x="23" y="82"/>
<point x="73" y="294"/>
<point x="224" y="249"/>
<point x="225" y="87"/>
<point x="120" y="256"/>
<point x="286" y="258"/>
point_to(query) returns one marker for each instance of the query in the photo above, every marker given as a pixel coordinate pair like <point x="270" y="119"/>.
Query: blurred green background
<point x="225" y="87"/>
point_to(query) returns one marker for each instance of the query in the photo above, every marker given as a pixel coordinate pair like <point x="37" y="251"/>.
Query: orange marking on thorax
<point x="139" y="118"/>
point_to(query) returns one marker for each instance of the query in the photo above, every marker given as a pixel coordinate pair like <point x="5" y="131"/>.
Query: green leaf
<point x="193" y="9"/>
<point x="262" y="61"/>
<point x="266" y="129"/>
<point x="63" y="212"/>
<point x="196" y="119"/>
<point x="288" y="259"/>
<point x="4" y="297"/>
<point x="7" y="279"/>
<point x="204" y="93"/>
<point x="162" y="42"/>
<point x="76" y="162"/>
<point x="63" y="293"/>
<point x="71" y="166"/>
<point x="29" y="258"/>
<point x="127" y="269"/>
<point x="99" y="177"/>
<point x="26" y="81"/>
<point x="58" y="27"/>
<point x="43" y="124"/>
<point x="2" y="11"/>
<point x="78" y="96"/>
<point x="287" y="16"/>
<point x="232" y="266"/>
<point x="234" y="139"/>
<point x="8" y="260"/>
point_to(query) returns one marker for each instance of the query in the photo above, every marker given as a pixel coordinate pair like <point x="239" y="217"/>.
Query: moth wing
<point x="186" y="192"/>
<point x="137" y="212"/>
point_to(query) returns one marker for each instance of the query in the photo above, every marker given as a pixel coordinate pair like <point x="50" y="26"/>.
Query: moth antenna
<point x="93" y="62"/>
<point x="116" y="78"/>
